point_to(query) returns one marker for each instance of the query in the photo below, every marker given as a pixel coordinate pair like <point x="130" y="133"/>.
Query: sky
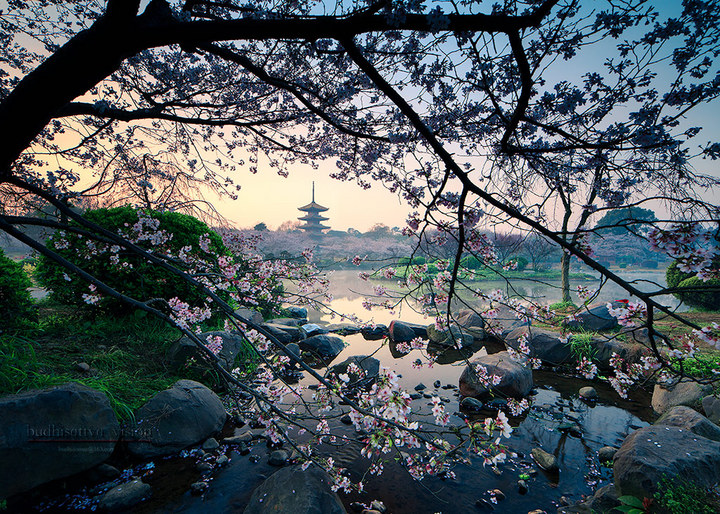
<point x="272" y="199"/>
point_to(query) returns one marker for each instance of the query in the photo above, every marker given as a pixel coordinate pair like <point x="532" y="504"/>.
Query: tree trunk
<point x="565" y="276"/>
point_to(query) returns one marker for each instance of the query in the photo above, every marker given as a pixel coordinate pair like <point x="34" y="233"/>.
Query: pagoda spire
<point x="313" y="220"/>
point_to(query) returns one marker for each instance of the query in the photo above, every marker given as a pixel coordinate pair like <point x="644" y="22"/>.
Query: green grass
<point x="702" y="365"/>
<point x="681" y="497"/>
<point x="563" y="306"/>
<point x="127" y="356"/>
<point x="581" y="345"/>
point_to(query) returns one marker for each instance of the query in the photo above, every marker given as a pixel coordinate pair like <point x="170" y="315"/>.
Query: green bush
<point x="139" y="279"/>
<point x="18" y="308"/>
<point x="673" y="276"/>
<point x="704" y="299"/>
<point x="520" y="262"/>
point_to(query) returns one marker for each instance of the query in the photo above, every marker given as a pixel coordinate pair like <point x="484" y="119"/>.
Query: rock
<point x="183" y="350"/>
<point x="370" y="367"/>
<point x="605" y="499"/>
<point x="286" y="334"/>
<point x="250" y="315"/>
<point x="103" y="473"/>
<point x="53" y="433"/>
<point x="711" y="406"/>
<point x="297" y="312"/>
<point x="344" y="329"/>
<point x="327" y="347"/>
<point x="288" y="322"/>
<point x="689" y="419"/>
<point x="183" y="415"/>
<point x="204" y="467"/>
<point x="522" y="487"/>
<point x="346" y="419"/>
<point x="294" y="350"/>
<point x="437" y="384"/>
<point x="82" y="367"/>
<point x="652" y="452"/>
<point x="595" y="318"/>
<point x="547" y="345"/>
<point x="483" y="504"/>
<point x="222" y="460"/>
<point x="278" y="458"/>
<point x="124" y="496"/>
<point x="401" y="332"/>
<point x="471" y="404"/>
<point x="420" y="387"/>
<point x="588" y="393"/>
<point x="210" y="444"/>
<point x="498" y="494"/>
<point x="279" y="332"/>
<point x="452" y="337"/>
<point x="197" y="488"/>
<point x="468" y="318"/>
<point x="312" y="329"/>
<point x="685" y="392"/>
<point x="605" y="348"/>
<point x="295" y="491"/>
<point x="378" y="506"/>
<point x="607" y="454"/>
<point x="545" y="460"/>
<point x="244" y="437"/>
<point x="373" y="333"/>
<point x="515" y="380"/>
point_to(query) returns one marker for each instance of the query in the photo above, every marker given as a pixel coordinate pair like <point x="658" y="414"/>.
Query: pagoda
<point x="313" y="221"/>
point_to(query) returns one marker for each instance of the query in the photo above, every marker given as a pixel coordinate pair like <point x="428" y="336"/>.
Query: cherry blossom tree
<point x="466" y="110"/>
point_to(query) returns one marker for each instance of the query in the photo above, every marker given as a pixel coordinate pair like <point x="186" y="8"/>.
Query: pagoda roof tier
<point x="308" y="226"/>
<point x="313" y="217"/>
<point x="312" y="206"/>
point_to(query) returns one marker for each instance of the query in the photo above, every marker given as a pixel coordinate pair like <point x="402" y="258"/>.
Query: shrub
<point x="122" y="270"/>
<point x="18" y="308"/>
<point x="520" y="262"/>
<point x="709" y="299"/>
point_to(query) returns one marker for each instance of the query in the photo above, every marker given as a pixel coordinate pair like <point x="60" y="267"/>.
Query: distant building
<point x="313" y="221"/>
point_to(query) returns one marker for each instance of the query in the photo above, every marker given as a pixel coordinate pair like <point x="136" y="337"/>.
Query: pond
<point x="558" y="422"/>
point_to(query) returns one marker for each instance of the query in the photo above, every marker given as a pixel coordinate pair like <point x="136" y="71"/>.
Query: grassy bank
<point x="126" y="356"/>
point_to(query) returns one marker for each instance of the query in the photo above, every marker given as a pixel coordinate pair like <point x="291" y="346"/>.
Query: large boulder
<point x="369" y="366"/>
<point x="312" y="329"/>
<point x="297" y="312"/>
<point x="452" y="337"/>
<point x="293" y="490"/>
<point x="173" y="419"/>
<point x="711" y="406"/>
<point x="53" y="433"/>
<point x="515" y="379"/>
<point x="689" y="419"/>
<point x="326" y="347"/>
<point x="595" y="318"/>
<point x="685" y="392"/>
<point x="284" y="333"/>
<point x="605" y="348"/>
<point x="374" y="332"/>
<point x="278" y="332"/>
<point x="472" y="323"/>
<point x="344" y="329"/>
<point x="124" y="496"/>
<point x="401" y="332"/>
<point x="185" y="349"/>
<point x="288" y="322"/>
<point x="547" y="345"/>
<point x="250" y="315"/>
<point x="651" y="453"/>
